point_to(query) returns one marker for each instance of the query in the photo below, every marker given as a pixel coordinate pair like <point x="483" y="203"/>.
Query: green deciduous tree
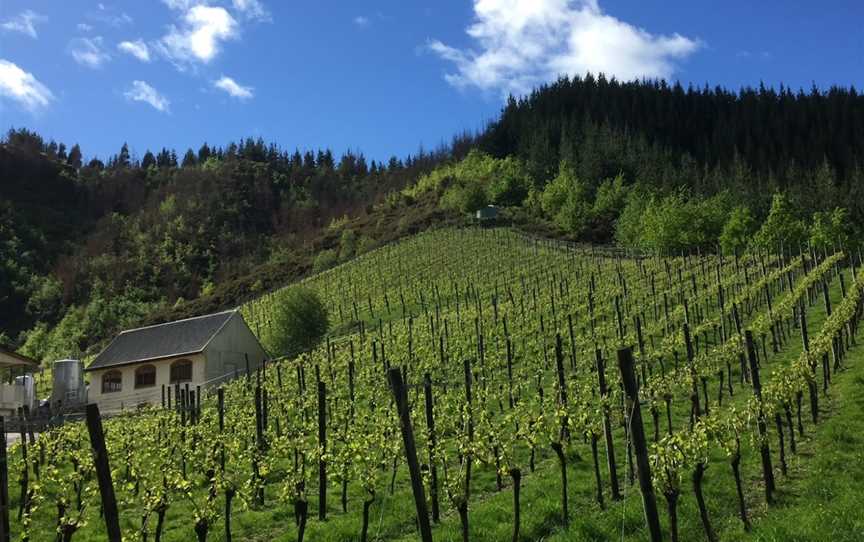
<point x="611" y="197"/>
<point x="830" y="229"/>
<point x="565" y="200"/>
<point x="738" y="230"/>
<point x="300" y="321"/>
<point x="781" y="227"/>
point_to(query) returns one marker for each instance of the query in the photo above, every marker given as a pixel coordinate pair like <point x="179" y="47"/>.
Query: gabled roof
<point x="172" y="339"/>
<point x="10" y="358"/>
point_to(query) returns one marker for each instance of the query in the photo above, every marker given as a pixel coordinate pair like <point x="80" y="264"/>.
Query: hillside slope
<point x="508" y="334"/>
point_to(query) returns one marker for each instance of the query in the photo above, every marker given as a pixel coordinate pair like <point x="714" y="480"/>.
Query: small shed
<point x="17" y="386"/>
<point x="487" y="214"/>
<point x="202" y="351"/>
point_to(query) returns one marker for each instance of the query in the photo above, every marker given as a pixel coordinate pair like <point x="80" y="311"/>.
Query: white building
<point x="17" y="388"/>
<point x="202" y="351"/>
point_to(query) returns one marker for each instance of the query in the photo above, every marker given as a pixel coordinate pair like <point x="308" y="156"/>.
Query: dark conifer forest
<point x="756" y="140"/>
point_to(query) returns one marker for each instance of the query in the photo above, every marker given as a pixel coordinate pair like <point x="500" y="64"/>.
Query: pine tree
<point x="123" y="160"/>
<point x="75" y="157"/>
<point x="148" y="161"/>
<point x="203" y="153"/>
<point x="189" y="159"/>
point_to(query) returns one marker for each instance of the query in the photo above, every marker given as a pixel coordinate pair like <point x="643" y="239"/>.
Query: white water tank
<point x="68" y="388"/>
<point x="25" y="391"/>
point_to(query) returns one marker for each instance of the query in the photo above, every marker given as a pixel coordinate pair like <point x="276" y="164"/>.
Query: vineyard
<point x="478" y="384"/>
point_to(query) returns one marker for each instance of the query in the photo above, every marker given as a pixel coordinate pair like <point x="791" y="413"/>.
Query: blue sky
<point x="380" y="77"/>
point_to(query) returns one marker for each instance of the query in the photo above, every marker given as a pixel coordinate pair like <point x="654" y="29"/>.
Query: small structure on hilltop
<point x="143" y="366"/>
<point x="487" y="215"/>
<point x="18" y="388"/>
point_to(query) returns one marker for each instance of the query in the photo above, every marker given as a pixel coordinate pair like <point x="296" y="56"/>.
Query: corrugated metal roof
<point x="171" y="339"/>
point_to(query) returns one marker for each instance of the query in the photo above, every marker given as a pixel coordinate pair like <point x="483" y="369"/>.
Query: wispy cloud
<point x="110" y="16"/>
<point x="523" y="44"/>
<point x="361" y="20"/>
<point x="182" y="5"/>
<point x="199" y="36"/>
<point x="136" y="48"/>
<point x="22" y="87"/>
<point x="84" y="27"/>
<point x="234" y="89"/>
<point x="25" y="23"/>
<point x="140" y="91"/>
<point x="251" y="10"/>
<point x="88" y="52"/>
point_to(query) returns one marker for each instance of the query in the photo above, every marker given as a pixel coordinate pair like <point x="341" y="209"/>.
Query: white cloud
<point x="137" y="48"/>
<point x="361" y="20"/>
<point x="110" y="16"/>
<point x="24" y="22"/>
<point x="84" y="27"/>
<point x="233" y="88"/>
<point x="88" y="52"/>
<point x="202" y="30"/>
<point x="182" y="5"/>
<point x="251" y="9"/>
<point x="523" y="44"/>
<point x="142" y="92"/>
<point x="21" y="86"/>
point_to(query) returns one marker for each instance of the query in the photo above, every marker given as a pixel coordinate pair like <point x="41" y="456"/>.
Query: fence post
<point x="399" y="392"/>
<point x="640" y="447"/>
<point x="4" y="486"/>
<point x="430" y="426"/>
<point x="765" y="452"/>
<point x="103" y="473"/>
<point x="607" y="429"/>
<point x="322" y="443"/>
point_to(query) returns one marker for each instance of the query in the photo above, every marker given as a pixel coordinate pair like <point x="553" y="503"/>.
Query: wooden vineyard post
<point x="259" y="449"/>
<point x="765" y="452"/>
<point x="322" y="443"/>
<point x="640" y="447"/>
<point x="811" y="382"/>
<point x="401" y="396"/>
<point x="562" y="384"/>
<point x="103" y="473"/>
<point x="220" y="399"/>
<point x="430" y="426"/>
<point x="4" y="486"/>
<point x="607" y="429"/>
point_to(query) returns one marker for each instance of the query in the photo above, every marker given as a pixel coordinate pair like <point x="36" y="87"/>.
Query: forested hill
<point x="89" y="246"/>
<point x="761" y="139"/>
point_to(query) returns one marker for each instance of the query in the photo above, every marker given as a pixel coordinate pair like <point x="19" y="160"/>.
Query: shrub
<point x="830" y="229"/>
<point x="299" y="322"/>
<point x="738" y="230"/>
<point x="628" y="229"/>
<point x="610" y="198"/>
<point x="781" y="227"/>
<point x="347" y="244"/>
<point x="465" y="198"/>
<point x="365" y="244"/>
<point x="565" y="201"/>
<point x="324" y="260"/>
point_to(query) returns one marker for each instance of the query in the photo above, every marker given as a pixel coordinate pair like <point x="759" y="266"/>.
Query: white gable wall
<point x="227" y="351"/>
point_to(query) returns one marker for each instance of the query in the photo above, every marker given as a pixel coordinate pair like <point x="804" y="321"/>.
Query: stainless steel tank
<point x="68" y="384"/>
